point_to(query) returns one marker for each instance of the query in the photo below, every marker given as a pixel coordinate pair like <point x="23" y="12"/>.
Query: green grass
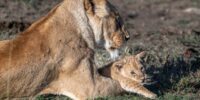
<point x="52" y="97"/>
<point x="167" y="96"/>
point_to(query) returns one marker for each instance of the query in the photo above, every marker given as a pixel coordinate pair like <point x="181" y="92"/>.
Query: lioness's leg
<point x="83" y="82"/>
<point x="106" y="86"/>
<point x="83" y="90"/>
<point x="3" y="42"/>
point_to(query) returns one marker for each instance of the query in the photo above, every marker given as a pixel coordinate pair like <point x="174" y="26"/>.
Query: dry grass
<point x="160" y="27"/>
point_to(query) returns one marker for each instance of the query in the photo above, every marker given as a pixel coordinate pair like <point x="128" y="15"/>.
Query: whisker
<point x="150" y="83"/>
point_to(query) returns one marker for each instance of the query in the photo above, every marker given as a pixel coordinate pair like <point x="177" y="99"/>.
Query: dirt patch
<point x="25" y="10"/>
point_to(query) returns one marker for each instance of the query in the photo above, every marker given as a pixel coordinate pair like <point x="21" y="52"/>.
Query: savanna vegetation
<point x="169" y="30"/>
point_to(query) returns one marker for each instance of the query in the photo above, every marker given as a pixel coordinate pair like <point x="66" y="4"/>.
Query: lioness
<point x="130" y="73"/>
<point x="56" y="53"/>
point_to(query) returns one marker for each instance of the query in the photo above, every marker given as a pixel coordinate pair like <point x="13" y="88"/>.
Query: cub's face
<point x="107" y="25"/>
<point x="131" y="67"/>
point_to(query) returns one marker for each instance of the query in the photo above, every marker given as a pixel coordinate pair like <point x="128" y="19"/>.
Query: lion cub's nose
<point x="143" y="79"/>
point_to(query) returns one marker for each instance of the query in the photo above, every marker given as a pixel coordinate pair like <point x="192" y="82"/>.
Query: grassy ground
<point x="178" y="74"/>
<point x="170" y="36"/>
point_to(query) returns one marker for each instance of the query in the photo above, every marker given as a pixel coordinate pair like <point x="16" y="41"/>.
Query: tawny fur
<point x="129" y="72"/>
<point x="56" y="53"/>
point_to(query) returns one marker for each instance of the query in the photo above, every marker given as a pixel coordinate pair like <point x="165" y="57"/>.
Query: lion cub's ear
<point x="119" y="65"/>
<point x="140" y="55"/>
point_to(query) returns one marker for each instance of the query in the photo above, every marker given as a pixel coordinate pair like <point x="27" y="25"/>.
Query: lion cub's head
<point x="128" y="67"/>
<point x="131" y="67"/>
<point x="107" y="25"/>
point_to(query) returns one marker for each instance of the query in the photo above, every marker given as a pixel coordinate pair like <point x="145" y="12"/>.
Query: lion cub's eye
<point x="132" y="72"/>
<point x="142" y="69"/>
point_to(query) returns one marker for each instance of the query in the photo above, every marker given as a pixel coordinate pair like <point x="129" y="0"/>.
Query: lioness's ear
<point x="89" y="6"/>
<point x="140" y="55"/>
<point x="97" y="7"/>
<point x="101" y="8"/>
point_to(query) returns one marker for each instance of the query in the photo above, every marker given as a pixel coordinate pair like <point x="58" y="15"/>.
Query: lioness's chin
<point x="114" y="54"/>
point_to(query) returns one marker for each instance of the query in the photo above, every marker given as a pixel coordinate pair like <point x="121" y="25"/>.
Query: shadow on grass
<point x="52" y="97"/>
<point x="176" y="74"/>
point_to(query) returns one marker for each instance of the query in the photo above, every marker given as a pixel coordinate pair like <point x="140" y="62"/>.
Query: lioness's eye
<point x="118" y="23"/>
<point x="117" y="17"/>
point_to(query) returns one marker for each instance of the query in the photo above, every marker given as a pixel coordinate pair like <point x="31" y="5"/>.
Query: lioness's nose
<point x="127" y="38"/>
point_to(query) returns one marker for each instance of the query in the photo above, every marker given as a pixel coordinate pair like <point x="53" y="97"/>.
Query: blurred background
<point x="169" y="30"/>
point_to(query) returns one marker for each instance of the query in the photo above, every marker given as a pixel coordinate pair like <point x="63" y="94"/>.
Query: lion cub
<point x="129" y="72"/>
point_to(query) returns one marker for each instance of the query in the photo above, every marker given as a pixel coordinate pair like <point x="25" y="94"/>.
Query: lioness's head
<point x="107" y="25"/>
<point x="132" y="68"/>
